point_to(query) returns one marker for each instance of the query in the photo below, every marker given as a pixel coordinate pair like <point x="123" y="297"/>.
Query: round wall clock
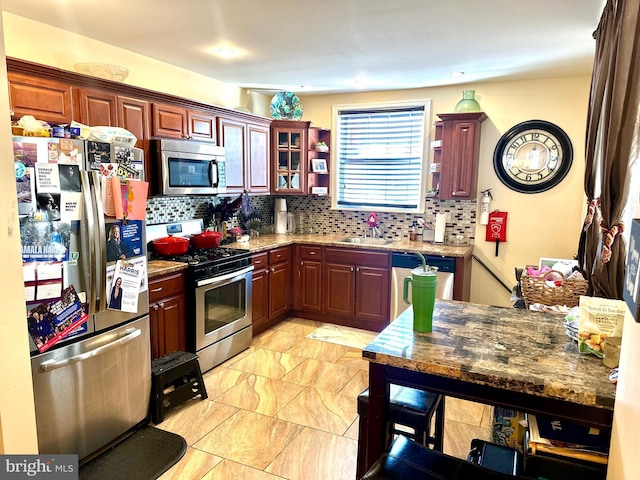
<point x="533" y="156"/>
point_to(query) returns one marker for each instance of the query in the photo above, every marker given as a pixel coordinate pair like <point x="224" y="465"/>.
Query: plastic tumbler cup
<point x="423" y="295"/>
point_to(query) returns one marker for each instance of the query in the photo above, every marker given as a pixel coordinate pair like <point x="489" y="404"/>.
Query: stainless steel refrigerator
<point x="90" y="355"/>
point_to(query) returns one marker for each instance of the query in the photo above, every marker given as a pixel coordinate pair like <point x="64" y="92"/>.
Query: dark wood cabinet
<point x="356" y="286"/>
<point x="307" y="292"/>
<point x="169" y="121"/>
<point x="173" y="121"/>
<point x="201" y="126"/>
<point x="317" y="179"/>
<point x="271" y="288"/>
<point x="257" y="176"/>
<point x="289" y="156"/>
<point x="97" y="108"/>
<point x="44" y="98"/>
<point x="232" y="135"/>
<point x="135" y="116"/>
<point x="457" y="155"/>
<point x="246" y="148"/>
<point x="60" y="97"/>
<point x="167" y="314"/>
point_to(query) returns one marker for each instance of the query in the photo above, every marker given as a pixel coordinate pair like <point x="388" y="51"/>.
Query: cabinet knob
<point x="312" y="253"/>
<point x="302" y="264"/>
<point x="351" y="269"/>
<point x="161" y="304"/>
<point x="273" y="270"/>
<point x="155" y="307"/>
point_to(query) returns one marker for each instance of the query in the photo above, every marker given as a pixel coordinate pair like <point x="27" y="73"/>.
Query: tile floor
<point x="286" y="409"/>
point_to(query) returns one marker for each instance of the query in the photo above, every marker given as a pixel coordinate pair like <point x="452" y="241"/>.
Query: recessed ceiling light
<point x="226" y="51"/>
<point x="456" y="74"/>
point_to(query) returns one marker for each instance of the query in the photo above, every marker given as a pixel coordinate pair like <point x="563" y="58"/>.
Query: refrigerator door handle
<point x="89" y="239"/>
<point x="130" y="335"/>
<point x="100" y="239"/>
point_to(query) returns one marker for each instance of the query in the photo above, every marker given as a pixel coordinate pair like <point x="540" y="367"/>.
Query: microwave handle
<point x="213" y="173"/>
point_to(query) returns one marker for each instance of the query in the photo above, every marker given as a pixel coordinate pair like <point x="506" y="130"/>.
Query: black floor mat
<point x="145" y="455"/>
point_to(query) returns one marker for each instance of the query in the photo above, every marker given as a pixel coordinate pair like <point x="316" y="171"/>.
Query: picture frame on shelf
<point x="318" y="165"/>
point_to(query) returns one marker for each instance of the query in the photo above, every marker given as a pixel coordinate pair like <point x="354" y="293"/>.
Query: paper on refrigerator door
<point x="129" y="198"/>
<point x="125" y="288"/>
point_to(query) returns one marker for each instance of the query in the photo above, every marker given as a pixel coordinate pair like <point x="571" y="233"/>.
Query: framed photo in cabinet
<point x="318" y="165"/>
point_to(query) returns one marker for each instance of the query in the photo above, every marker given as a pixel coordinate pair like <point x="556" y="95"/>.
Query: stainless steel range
<point x="218" y="300"/>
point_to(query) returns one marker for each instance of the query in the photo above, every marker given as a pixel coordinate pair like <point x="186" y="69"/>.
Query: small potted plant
<point x="322" y="147"/>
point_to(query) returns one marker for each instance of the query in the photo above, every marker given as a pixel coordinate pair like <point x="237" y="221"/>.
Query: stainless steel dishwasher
<point x="401" y="265"/>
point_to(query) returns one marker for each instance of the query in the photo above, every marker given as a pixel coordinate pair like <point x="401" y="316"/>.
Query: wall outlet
<point x="447" y="217"/>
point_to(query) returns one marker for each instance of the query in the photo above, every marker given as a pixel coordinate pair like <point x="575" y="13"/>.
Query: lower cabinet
<point x="167" y="314"/>
<point x="307" y="294"/>
<point x="356" y="285"/>
<point x="271" y="287"/>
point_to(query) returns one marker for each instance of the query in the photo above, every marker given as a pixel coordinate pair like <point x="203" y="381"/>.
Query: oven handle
<point x="223" y="278"/>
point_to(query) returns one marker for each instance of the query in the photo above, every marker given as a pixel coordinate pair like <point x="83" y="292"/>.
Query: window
<point x="379" y="156"/>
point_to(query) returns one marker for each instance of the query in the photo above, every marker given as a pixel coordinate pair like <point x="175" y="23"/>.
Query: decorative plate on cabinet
<point x="286" y="106"/>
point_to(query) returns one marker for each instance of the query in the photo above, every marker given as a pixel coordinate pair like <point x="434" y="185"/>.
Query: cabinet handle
<point x="161" y="304"/>
<point x="155" y="290"/>
<point x="312" y="253"/>
<point x="278" y="255"/>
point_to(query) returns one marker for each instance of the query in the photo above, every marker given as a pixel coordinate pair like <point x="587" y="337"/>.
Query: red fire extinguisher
<point x="497" y="228"/>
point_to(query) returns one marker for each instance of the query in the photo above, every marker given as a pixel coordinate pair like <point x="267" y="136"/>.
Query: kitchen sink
<point x="366" y="241"/>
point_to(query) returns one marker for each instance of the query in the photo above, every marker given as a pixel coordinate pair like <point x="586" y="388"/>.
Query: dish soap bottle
<point x="413" y="232"/>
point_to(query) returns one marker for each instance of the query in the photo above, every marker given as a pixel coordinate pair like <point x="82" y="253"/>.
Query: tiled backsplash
<point x="321" y="218"/>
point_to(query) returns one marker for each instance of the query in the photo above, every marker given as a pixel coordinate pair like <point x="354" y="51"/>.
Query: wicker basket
<point x="535" y="290"/>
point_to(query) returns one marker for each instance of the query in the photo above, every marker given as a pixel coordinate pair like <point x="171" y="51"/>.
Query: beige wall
<point x="545" y="224"/>
<point x="17" y="416"/>
<point x="41" y="43"/>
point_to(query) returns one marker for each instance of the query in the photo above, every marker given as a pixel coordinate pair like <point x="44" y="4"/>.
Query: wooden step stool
<point x="176" y="378"/>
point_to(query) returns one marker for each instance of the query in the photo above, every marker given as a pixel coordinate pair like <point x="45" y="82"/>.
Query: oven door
<point x="223" y="306"/>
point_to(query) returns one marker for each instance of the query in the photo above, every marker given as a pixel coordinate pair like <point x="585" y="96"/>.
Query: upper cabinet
<point x="289" y="156"/>
<point x="455" y="155"/>
<point x="60" y="96"/>
<point x="246" y="146"/>
<point x="172" y="121"/>
<point x="44" y="98"/>
<point x="318" y="161"/>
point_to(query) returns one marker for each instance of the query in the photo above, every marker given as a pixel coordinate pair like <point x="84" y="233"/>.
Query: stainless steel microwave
<point x="188" y="167"/>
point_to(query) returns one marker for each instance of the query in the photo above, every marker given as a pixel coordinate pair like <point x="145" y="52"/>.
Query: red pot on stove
<point x="206" y="239"/>
<point x="171" y="245"/>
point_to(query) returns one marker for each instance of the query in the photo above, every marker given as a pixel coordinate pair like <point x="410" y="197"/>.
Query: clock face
<point x="533" y="156"/>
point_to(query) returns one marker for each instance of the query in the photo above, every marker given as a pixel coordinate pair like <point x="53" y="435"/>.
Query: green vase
<point x="468" y="103"/>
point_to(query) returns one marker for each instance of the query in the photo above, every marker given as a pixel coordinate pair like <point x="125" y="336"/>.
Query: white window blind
<point x="379" y="156"/>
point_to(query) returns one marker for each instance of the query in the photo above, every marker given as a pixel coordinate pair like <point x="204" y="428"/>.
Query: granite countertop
<point x="267" y="242"/>
<point x="157" y="268"/>
<point x="527" y="351"/>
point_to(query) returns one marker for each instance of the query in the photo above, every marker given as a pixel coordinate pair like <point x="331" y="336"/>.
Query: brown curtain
<point x="613" y="125"/>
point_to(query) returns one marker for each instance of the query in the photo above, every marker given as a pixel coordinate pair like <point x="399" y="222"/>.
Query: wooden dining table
<point x="499" y="356"/>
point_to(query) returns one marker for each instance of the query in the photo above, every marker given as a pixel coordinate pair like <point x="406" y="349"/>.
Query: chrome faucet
<point x="373" y="232"/>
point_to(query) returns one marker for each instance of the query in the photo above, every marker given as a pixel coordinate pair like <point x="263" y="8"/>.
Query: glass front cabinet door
<point x="289" y="152"/>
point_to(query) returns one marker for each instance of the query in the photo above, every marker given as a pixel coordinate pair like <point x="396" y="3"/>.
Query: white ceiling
<point x="329" y="44"/>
